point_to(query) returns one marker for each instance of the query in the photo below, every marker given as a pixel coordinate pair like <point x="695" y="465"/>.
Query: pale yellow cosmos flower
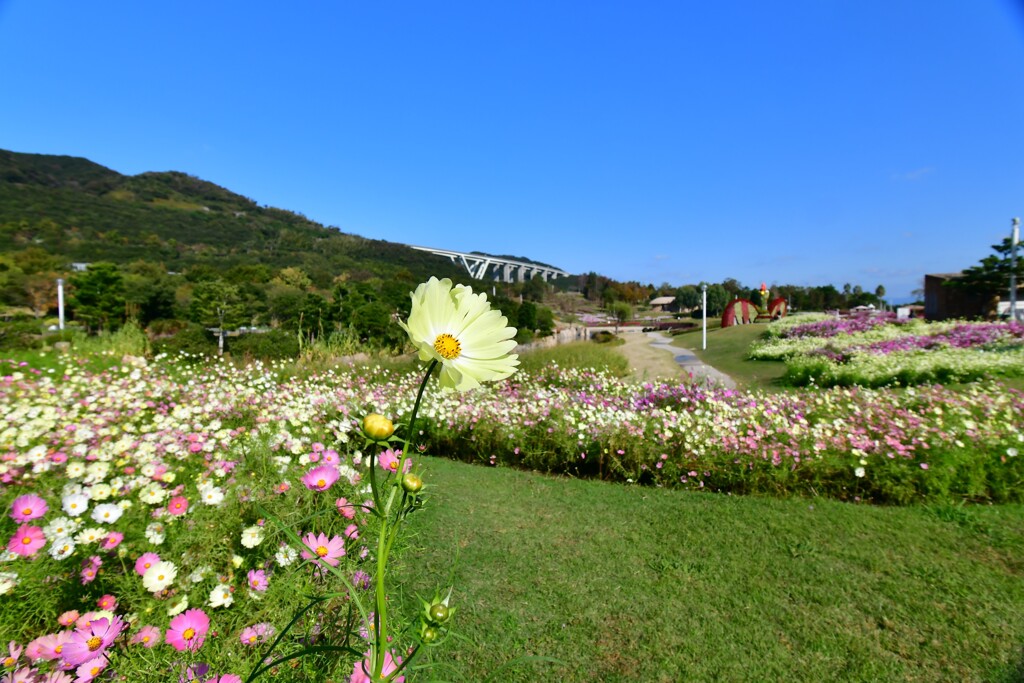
<point x="460" y="330"/>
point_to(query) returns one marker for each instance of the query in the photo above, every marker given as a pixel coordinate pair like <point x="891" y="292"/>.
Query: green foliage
<point x="21" y="334"/>
<point x="128" y="340"/>
<point x="270" y="345"/>
<point x="98" y="297"/>
<point x="193" y="340"/>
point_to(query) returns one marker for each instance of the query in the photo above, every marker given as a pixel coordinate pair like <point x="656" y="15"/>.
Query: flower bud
<point x="439" y="613"/>
<point x="428" y="634"/>
<point x="412" y="483"/>
<point x="377" y="427"/>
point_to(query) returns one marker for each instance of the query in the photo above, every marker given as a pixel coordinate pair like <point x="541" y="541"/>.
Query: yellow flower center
<point x="9" y="661"/>
<point x="95" y="671"/>
<point x="27" y="511"/>
<point x="448" y="346"/>
<point x="252" y="639"/>
<point x="26" y="540"/>
<point x="189" y="634"/>
<point x="321" y="551"/>
<point x="94" y="643"/>
<point x="321" y="483"/>
<point x="145" y="639"/>
<point x="58" y="649"/>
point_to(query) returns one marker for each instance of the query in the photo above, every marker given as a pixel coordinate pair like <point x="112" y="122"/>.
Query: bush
<point x="271" y="345"/>
<point x="193" y="339"/>
<point x="21" y="334"/>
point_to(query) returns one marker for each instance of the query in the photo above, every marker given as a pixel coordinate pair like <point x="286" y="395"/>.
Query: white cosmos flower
<point x="8" y="580"/>
<point x="285" y="555"/>
<point x="61" y="547"/>
<point x="859" y="472"/>
<point x="159" y="576"/>
<point x="211" y="495"/>
<point x="178" y="607"/>
<point x="221" y="597"/>
<point x="252" y="536"/>
<point x="155" y="533"/>
<point x="60" y="526"/>
<point x="90" y="535"/>
<point x="460" y="330"/>
<point x="75" y="505"/>
<point x="106" y="513"/>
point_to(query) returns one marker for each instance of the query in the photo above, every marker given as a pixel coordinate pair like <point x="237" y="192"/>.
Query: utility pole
<point x="60" y="303"/>
<point x="1014" y="239"/>
<point x="704" y="305"/>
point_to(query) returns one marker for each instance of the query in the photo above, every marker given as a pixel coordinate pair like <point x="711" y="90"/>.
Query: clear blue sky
<point x="806" y="142"/>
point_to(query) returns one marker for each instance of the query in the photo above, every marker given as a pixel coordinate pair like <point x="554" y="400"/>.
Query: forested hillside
<point x="180" y="255"/>
<point x="83" y="212"/>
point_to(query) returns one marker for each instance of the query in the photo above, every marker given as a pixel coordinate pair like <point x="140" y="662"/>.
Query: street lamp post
<point x="60" y="303"/>
<point x="1014" y="239"/>
<point x="704" y="306"/>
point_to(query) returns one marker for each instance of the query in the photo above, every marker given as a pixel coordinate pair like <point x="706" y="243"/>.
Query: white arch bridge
<point x="484" y="267"/>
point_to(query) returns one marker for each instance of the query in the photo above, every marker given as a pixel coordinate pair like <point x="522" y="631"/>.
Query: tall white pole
<point x="60" y="302"/>
<point x="704" y="305"/>
<point x="1014" y="239"/>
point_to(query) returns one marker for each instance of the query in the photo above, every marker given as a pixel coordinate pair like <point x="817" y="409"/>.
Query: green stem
<point x="386" y="538"/>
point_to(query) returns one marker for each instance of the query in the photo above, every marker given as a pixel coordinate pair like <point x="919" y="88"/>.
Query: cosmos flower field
<point x="144" y="505"/>
<point x="880" y="350"/>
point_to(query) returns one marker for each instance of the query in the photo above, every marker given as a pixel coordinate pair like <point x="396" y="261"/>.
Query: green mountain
<point x="81" y="211"/>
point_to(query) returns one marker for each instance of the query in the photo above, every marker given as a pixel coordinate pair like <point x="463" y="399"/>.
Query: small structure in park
<point x="745" y="311"/>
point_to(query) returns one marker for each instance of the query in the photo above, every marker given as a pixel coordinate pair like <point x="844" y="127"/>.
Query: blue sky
<point x="805" y="142"/>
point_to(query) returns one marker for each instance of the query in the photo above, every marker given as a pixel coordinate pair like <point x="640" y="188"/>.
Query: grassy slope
<point x="727" y="351"/>
<point x="633" y="584"/>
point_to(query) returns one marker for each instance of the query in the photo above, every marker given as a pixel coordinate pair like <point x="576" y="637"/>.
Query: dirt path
<point x="648" y="363"/>
<point x="652" y="357"/>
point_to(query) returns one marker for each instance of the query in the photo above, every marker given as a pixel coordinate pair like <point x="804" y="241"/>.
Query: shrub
<point x="193" y="339"/>
<point x="21" y="334"/>
<point x="270" y="345"/>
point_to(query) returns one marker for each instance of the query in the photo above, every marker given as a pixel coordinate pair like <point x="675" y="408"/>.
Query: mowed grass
<point x="727" y="352"/>
<point x="639" y="584"/>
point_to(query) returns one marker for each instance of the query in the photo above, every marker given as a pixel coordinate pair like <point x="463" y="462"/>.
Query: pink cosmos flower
<point x="90" y="568"/>
<point x="148" y="636"/>
<point x="90" y="669"/>
<point x="320" y="478"/>
<point x="145" y="561"/>
<point x="352" y="532"/>
<point x="14" y="651"/>
<point x="28" y="507"/>
<point x="224" y="678"/>
<point x="389" y="460"/>
<point x="256" y="634"/>
<point x="68" y="618"/>
<point x="323" y="550"/>
<point x="27" y="541"/>
<point x="257" y="580"/>
<point x="108" y="603"/>
<point x="347" y="510"/>
<point x="57" y="677"/>
<point x="112" y="540"/>
<point x="360" y="669"/>
<point x="91" y="641"/>
<point x="178" y="506"/>
<point x="188" y="631"/>
<point x="48" y="647"/>
<point x="331" y="457"/>
<point x="282" y="487"/>
<point x="22" y="675"/>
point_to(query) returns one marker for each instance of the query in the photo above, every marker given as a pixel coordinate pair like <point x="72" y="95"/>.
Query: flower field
<point x="879" y="350"/>
<point x="139" y="501"/>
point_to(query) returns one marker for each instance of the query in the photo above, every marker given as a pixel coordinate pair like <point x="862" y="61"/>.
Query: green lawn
<point x="727" y="352"/>
<point x="639" y="584"/>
